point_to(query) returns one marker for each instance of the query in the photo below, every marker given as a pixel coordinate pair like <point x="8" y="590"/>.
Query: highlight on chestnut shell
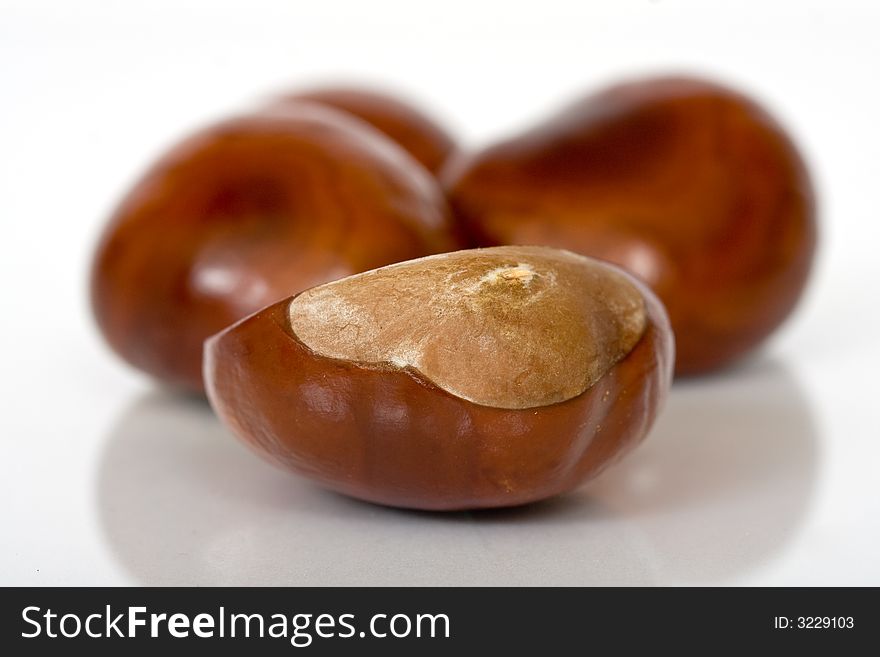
<point x="250" y="211"/>
<point x="481" y="378"/>
<point x="409" y="126"/>
<point x="691" y="186"/>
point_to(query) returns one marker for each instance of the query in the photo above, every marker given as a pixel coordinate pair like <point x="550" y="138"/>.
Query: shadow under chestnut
<point x="717" y="489"/>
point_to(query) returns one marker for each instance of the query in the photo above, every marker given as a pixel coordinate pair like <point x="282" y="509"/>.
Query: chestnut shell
<point x="389" y="436"/>
<point x="687" y="184"/>
<point x="246" y="213"/>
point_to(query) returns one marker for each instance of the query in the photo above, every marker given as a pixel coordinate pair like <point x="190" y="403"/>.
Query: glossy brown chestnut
<point x="483" y="378"/>
<point x="404" y="123"/>
<point x="689" y="185"/>
<point x="246" y="213"/>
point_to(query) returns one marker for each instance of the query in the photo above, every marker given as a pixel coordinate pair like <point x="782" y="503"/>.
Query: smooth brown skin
<point x="246" y="213"/>
<point x="388" y="435"/>
<point x="404" y="123"/>
<point x="689" y="185"/>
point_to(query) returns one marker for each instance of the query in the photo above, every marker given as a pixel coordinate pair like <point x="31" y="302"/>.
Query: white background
<point x="766" y="475"/>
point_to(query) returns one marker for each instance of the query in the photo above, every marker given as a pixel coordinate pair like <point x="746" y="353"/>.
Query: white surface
<point x="766" y="475"/>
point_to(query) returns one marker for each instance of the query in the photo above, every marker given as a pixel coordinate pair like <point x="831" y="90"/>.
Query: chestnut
<point x="687" y="184"/>
<point x="409" y="126"/>
<point x="480" y="378"/>
<point x="247" y="212"/>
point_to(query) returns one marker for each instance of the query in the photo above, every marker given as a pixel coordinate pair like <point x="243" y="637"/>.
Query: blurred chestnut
<point x="483" y="378"/>
<point x="407" y="125"/>
<point x="689" y="185"/>
<point x="246" y="213"/>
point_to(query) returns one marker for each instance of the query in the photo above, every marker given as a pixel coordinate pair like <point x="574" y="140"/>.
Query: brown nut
<point x="246" y="213"/>
<point x="407" y="125"/>
<point x="483" y="378"/>
<point x="690" y="186"/>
